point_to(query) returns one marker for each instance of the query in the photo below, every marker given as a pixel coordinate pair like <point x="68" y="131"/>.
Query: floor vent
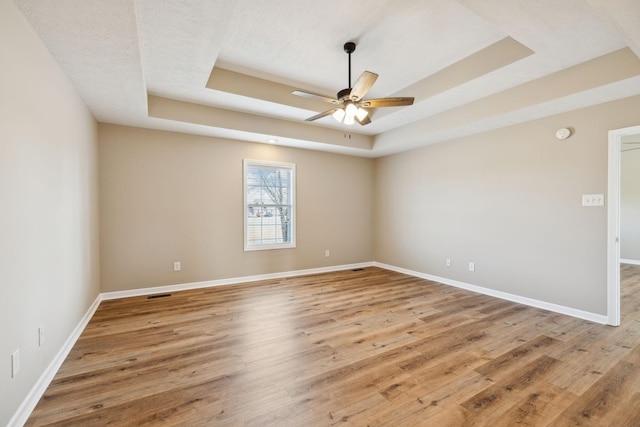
<point x="357" y="269"/>
<point x="158" y="296"/>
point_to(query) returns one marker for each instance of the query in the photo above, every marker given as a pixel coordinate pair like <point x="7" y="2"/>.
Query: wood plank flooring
<point x="364" y="348"/>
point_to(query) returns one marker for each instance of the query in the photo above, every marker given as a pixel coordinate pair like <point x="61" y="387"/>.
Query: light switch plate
<point x="593" y="200"/>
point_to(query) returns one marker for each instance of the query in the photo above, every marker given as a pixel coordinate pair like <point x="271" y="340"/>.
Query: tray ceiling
<point x="226" y="68"/>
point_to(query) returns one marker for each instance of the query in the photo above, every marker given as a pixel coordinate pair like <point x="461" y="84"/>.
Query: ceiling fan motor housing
<point x="344" y="93"/>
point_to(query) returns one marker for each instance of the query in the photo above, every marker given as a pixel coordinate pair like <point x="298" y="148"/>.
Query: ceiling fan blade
<point x="362" y="86"/>
<point x="364" y="121"/>
<point x="321" y="115"/>
<point x="386" y="102"/>
<point x="317" y="96"/>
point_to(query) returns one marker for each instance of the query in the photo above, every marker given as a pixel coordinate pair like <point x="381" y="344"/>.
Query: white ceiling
<point x="226" y="68"/>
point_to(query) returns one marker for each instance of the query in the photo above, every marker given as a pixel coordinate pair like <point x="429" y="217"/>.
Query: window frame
<point x="291" y="167"/>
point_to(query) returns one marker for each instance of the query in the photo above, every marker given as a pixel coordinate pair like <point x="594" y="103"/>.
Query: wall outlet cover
<point x="15" y="363"/>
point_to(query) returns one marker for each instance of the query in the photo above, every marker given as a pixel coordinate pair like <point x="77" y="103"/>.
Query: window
<point x="269" y="209"/>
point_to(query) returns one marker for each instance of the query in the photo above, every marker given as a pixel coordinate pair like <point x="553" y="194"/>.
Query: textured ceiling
<point x="226" y="68"/>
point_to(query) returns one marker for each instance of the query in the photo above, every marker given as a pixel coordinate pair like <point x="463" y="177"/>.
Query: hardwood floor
<point x="369" y="347"/>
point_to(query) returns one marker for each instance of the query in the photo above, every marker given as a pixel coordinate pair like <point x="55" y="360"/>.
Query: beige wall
<point x="630" y="204"/>
<point x="48" y="215"/>
<point x="168" y="197"/>
<point x="510" y="201"/>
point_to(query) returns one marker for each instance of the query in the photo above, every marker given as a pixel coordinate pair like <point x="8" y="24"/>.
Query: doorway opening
<point x="613" y="218"/>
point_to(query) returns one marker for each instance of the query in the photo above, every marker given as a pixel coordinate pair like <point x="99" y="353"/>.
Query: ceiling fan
<point x="350" y="105"/>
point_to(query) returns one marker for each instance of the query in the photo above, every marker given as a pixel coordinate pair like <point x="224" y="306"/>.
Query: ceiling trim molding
<point x="170" y="109"/>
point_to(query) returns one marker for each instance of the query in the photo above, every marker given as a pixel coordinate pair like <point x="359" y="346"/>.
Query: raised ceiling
<point x="226" y="68"/>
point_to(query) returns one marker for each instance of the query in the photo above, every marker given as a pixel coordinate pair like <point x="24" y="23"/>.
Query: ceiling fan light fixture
<point x="350" y="110"/>
<point x="349" y="113"/>
<point x="361" y="113"/>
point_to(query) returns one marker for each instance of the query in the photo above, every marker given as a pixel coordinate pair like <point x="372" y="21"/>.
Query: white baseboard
<point x="593" y="317"/>
<point x="230" y="281"/>
<point x="27" y="406"/>
<point x="630" y="261"/>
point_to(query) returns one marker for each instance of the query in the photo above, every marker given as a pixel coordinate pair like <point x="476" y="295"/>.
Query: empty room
<point x="389" y="213"/>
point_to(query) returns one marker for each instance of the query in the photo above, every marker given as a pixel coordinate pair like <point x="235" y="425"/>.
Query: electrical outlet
<point x="15" y="363"/>
<point x="177" y="266"/>
<point x="472" y="266"/>
<point x="41" y="335"/>
<point x="448" y="262"/>
<point x="327" y="253"/>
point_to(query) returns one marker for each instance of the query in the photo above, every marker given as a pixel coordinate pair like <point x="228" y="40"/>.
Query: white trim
<point x="230" y="281"/>
<point x="246" y="163"/>
<point x="613" y="223"/>
<point x="613" y="229"/>
<point x="27" y="406"/>
<point x="630" y="261"/>
<point x="593" y="317"/>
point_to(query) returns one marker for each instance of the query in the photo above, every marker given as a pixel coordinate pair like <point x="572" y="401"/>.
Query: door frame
<point x="613" y="220"/>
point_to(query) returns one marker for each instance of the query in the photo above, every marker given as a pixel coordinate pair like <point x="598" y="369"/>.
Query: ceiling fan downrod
<point x="349" y="47"/>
